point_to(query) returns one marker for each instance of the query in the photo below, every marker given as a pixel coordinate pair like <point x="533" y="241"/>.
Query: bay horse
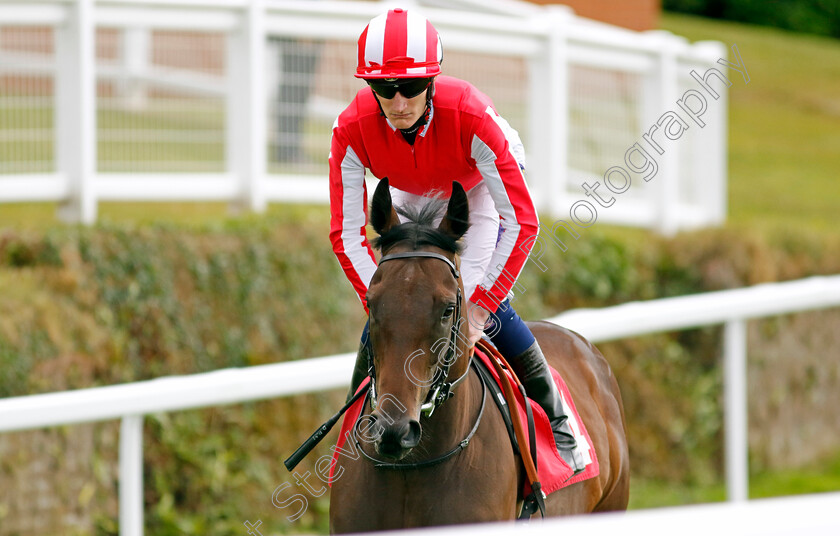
<point x="415" y="470"/>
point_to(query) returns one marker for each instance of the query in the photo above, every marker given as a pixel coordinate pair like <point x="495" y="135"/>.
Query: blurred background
<point x="162" y="212"/>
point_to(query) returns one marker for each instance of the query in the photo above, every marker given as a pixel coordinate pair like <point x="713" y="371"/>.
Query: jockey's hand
<point x="477" y="317"/>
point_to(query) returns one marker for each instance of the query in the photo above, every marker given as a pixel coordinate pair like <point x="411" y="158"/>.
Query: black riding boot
<point x="531" y="368"/>
<point x="360" y="371"/>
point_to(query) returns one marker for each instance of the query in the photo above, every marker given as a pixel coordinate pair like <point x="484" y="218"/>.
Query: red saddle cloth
<point x="553" y="472"/>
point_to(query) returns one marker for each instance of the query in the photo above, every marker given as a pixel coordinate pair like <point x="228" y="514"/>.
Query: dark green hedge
<point x="110" y="304"/>
<point x="820" y="17"/>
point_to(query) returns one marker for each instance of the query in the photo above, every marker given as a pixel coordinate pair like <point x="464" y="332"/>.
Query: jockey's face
<point x="403" y="112"/>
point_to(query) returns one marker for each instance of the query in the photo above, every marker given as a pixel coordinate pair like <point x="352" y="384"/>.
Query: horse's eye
<point x="449" y="311"/>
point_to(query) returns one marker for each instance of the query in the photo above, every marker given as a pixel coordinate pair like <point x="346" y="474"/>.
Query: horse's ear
<point x="457" y="219"/>
<point x="382" y="213"/>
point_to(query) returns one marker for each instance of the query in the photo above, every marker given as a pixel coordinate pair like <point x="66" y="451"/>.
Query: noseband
<point x="440" y="390"/>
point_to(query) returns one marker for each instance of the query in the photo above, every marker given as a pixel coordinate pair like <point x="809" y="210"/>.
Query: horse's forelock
<point x="419" y="229"/>
<point x="424" y="214"/>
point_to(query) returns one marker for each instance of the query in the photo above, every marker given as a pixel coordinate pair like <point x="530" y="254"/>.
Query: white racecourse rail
<point x="581" y="93"/>
<point x="130" y="402"/>
<point x="814" y="515"/>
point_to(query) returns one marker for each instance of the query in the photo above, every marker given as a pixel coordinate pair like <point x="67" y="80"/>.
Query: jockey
<point x="424" y="130"/>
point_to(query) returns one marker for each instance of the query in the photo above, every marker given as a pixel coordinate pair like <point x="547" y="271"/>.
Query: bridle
<point x="440" y="391"/>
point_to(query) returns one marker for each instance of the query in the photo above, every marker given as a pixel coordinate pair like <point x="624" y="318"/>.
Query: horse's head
<point x="415" y="301"/>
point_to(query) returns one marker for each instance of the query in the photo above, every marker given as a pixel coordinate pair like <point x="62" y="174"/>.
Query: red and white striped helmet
<point x="399" y="44"/>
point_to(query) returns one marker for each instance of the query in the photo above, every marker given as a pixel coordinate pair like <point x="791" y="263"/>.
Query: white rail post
<point x="537" y="147"/>
<point x="735" y="404"/>
<point x="715" y="152"/>
<point x="137" y="44"/>
<point x="247" y="108"/>
<point x="558" y="108"/>
<point x="75" y="111"/>
<point x="549" y="114"/>
<point x="666" y="183"/>
<point x="131" y="475"/>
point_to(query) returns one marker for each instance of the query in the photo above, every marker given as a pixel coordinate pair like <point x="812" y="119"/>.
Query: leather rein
<point x="441" y="390"/>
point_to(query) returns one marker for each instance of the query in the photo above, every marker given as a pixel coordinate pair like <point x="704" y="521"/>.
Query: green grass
<point x="784" y="157"/>
<point x="784" y="126"/>
<point x="818" y="478"/>
<point x="659" y="493"/>
<point x="41" y="217"/>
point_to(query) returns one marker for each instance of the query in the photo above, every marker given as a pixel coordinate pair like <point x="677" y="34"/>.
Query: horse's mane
<point x="419" y="229"/>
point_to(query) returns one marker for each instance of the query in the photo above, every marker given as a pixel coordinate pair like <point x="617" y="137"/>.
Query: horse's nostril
<point x="411" y="437"/>
<point x="397" y="440"/>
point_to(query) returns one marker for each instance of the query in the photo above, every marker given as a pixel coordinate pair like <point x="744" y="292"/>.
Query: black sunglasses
<point x="408" y="87"/>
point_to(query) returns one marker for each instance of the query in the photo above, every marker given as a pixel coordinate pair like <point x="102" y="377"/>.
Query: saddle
<point x="527" y="426"/>
<point x="550" y="472"/>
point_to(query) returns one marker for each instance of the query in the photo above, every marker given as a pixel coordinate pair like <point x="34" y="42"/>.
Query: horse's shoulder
<point x="554" y="334"/>
<point x="566" y="350"/>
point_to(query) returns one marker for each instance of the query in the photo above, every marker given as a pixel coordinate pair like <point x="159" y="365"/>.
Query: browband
<point x="429" y="254"/>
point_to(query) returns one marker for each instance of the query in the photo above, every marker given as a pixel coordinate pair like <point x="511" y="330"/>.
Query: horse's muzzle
<point x="397" y="439"/>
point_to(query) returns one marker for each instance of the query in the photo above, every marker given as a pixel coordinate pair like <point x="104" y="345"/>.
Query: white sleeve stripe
<point x="517" y="150"/>
<point x="353" y="201"/>
<point x="486" y="163"/>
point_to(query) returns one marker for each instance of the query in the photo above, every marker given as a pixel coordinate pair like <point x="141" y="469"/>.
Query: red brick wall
<point x="632" y="14"/>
